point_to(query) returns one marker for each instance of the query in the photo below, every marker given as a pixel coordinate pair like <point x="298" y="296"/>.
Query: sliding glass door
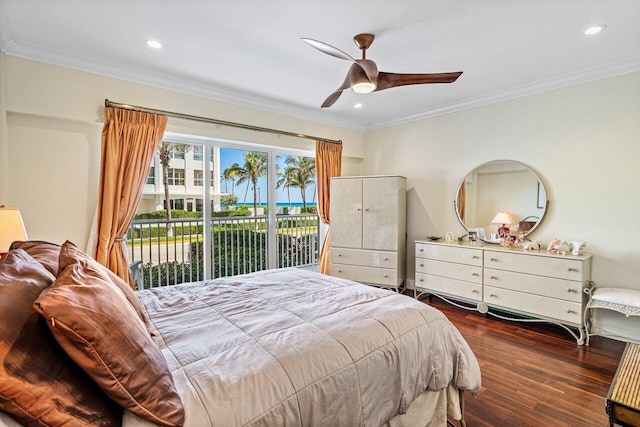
<point x="212" y="209"/>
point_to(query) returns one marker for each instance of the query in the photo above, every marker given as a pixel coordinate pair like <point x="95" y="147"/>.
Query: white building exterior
<point x="186" y="181"/>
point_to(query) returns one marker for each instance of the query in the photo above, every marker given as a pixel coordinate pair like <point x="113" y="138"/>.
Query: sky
<point x="229" y="156"/>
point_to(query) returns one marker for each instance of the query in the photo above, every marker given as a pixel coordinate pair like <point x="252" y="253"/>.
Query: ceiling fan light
<point x="364" y="87"/>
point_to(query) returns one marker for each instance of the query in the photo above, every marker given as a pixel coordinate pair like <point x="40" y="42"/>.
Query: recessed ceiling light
<point x="357" y="106"/>
<point x="595" y="29"/>
<point x="154" y="44"/>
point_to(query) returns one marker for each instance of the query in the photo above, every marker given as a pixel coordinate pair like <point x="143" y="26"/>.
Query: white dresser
<point x="368" y="229"/>
<point x="534" y="283"/>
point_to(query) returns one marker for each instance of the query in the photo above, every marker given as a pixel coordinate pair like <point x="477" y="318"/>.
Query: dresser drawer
<point x="384" y="259"/>
<point x="567" y="290"/>
<point x="445" y="285"/>
<point x="561" y="268"/>
<point x="378" y="276"/>
<point x="534" y="305"/>
<point x="449" y="253"/>
<point x="451" y="270"/>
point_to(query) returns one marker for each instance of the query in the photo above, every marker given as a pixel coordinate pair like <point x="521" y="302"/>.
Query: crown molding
<point x="177" y="84"/>
<point x="593" y="74"/>
<point x="235" y="97"/>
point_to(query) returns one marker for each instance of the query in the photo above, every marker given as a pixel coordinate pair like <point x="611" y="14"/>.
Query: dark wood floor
<point x="534" y="374"/>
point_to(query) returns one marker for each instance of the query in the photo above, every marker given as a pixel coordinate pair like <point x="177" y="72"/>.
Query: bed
<point x="295" y="347"/>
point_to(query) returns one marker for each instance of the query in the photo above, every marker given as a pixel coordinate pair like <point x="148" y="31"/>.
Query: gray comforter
<point x="297" y="348"/>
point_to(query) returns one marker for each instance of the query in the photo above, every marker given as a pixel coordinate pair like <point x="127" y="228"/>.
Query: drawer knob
<point x="386" y="275"/>
<point x="571" y="290"/>
<point x="475" y="291"/>
<point x="493" y="278"/>
<point x="422" y="280"/>
<point x="476" y="257"/>
<point x="366" y="210"/>
<point x="421" y="265"/>
<point x="358" y="210"/>
<point x="571" y="311"/>
<point x="475" y="274"/>
<point x="339" y="271"/>
<point x="572" y="269"/>
<point x="493" y="296"/>
<point x="386" y="259"/>
<point x="494" y="259"/>
<point x="421" y="250"/>
<point x="339" y="255"/>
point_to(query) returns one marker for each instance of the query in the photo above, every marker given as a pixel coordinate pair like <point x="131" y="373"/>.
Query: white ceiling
<point x="249" y="52"/>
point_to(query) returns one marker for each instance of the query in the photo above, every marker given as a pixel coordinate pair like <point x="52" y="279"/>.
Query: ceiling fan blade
<point x="356" y="73"/>
<point x="332" y="98"/>
<point x="388" y="80"/>
<point x="328" y="49"/>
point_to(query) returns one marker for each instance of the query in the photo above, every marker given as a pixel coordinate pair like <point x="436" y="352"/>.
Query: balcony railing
<point x="170" y="255"/>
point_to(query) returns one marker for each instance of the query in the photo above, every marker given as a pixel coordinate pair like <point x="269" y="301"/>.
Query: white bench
<point x="625" y="301"/>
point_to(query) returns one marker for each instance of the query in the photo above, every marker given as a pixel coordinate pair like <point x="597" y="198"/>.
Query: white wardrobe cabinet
<point x="368" y="229"/>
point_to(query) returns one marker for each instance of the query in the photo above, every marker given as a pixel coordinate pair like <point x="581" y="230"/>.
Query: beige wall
<point x="50" y="159"/>
<point x="583" y="142"/>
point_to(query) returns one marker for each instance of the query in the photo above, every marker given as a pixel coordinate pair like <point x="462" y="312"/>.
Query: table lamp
<point x="505" y="220"/>
<point x="11" y="228"/>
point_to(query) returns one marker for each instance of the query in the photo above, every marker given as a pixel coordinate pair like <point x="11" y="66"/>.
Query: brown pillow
<point x="96" y="325"/>
<point x="69" y="254"/>
<point x="45" y="253"/>
<point x="39" y="384"/>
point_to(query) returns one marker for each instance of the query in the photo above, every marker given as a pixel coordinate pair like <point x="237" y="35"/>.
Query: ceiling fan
<point x="364" y="77"/>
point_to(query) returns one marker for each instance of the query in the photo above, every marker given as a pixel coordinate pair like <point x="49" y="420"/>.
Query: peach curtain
<point x="462" y="200"/>
<point x="328" y="164"/>
<point x="129" y="140"/>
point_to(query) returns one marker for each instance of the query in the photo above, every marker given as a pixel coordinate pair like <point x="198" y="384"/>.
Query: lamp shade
<point x="11" y="228"/>
<point x="501" y="218"/>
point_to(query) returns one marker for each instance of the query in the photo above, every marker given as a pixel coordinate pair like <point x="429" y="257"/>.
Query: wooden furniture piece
<point x="368" y="229"/>
<point x="625" y="301"/>
<point x="623" y="401"/>
<point x="547" y="287"/>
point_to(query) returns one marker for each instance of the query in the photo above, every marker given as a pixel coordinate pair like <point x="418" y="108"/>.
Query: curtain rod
<point x="108" y="103"/>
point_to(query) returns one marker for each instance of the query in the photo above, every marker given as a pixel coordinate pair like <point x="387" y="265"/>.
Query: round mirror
<point x="501" y="196"/>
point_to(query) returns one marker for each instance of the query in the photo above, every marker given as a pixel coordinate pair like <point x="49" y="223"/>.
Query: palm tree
<point x="302" y="174"/>
<point x="164" y="153"/>
<point x="228" y="175"/>
<point x="284" y="181"/>
<point x="255" y="166"/>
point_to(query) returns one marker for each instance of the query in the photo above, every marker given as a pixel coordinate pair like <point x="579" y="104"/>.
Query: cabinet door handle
<point x="493" y="278"/>
<point x="573" y="269"/>
<point x="494" y="259"/>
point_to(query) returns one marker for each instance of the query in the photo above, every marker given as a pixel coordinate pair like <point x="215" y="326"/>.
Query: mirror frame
<point x="540" y="184"/>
